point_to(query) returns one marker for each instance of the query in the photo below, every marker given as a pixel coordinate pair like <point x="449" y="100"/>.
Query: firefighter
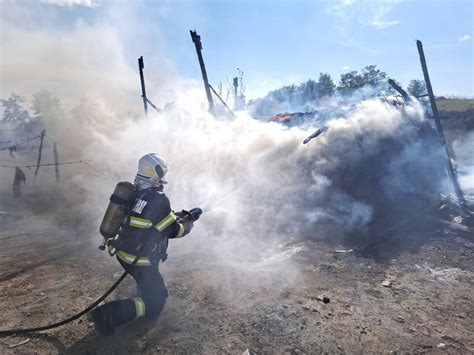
<point x="150" y="224"/>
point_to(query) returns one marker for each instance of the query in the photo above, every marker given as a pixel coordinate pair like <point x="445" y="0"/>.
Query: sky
<point x="274" y="43"/>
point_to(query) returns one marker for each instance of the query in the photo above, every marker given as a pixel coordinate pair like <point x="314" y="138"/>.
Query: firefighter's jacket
<point x="147" y="229"/>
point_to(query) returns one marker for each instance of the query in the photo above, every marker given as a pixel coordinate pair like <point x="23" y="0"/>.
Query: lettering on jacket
<point x="139" y="206"/>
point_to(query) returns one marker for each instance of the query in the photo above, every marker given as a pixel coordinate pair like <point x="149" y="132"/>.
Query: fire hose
<point x="191" y="215"/>
<point x="74" y="317"/>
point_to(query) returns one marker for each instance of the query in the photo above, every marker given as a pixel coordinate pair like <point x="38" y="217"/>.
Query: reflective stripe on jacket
<point x="143" y="223"/>
<point x="150" y="224"/>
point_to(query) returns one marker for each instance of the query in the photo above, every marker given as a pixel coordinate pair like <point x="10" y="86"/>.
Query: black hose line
<point x="74" y="317"/>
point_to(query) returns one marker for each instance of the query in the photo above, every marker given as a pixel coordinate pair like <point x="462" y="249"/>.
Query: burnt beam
<point x="398" y="89"/>
<point x="141" y="66"/>
<point x="197" y="43"/>
<point x="439" y="126"/>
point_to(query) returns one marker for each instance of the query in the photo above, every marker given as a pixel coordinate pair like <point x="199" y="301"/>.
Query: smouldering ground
<point x="47" y="273"/>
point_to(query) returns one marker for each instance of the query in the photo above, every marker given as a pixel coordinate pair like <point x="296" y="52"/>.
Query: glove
<point x="196" y="212"/>
<point x="189" y="216"/>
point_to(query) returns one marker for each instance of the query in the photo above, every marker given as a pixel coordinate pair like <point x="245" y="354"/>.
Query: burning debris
<point x="318" y="132"/>
<point x="295" y="118"/>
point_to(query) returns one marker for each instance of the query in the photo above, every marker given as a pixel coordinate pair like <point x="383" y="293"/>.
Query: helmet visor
<point x="159" y="171"/>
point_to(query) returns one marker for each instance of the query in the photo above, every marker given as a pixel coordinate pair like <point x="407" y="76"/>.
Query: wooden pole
<point x="439" y="126"/>
<point x="56" y="161"/>
<point x="197" y="42"/>
<point x="141" y="66"/>
<point x="43" y="132"/>
<point x="399" y="89"/>
<point x="159" y="110"/>
<point x="223" y="102"/>
<point x="236" y="85"/>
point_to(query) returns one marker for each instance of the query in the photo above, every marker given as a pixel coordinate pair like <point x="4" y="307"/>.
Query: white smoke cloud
<point x="465" y="162"/>
<point x="258" y="185"/>
<point x="71" y="65"/>
<point x="86" y="58"/>
<point x="256" y="182"/>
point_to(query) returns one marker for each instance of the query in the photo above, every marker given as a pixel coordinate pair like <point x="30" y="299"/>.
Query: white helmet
<point x="152" y="168"/>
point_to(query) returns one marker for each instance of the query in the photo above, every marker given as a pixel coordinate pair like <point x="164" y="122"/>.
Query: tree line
<point x="44" y="107"/>
<point x="43" y="103"/>
<point x="369" y="81"/>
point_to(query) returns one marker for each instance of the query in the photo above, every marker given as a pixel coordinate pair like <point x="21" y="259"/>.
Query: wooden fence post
<point x="43" y="132"/>
<point x="439" y="126"/>
<point x="56" y="161"/>
<point x="141" y="66"/>
<point x="197" y="42"/>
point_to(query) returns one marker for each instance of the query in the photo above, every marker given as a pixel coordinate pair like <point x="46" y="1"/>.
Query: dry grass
<point x="456" y="105"/>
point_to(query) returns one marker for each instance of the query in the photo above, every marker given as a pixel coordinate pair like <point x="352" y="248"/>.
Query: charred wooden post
<point x="399" y="89"/>
<point x="197" y="42"/>
<point x="439" y="126"/>
<point x="236" y="86"/>
<point x="141" y="66"/>
<point x="223" y="102"/>
<point x="56" y="161"/>
<point x="159" y="110"/>
<point x="43" y="132"/>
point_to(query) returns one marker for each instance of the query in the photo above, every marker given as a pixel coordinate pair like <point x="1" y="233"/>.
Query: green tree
<point x="369" y="76"/>
<point x="350" y="82"/>
<point x="325" y="85"/>
<point x="373" y="76"/>
<point x="45" y="105"/>
<point x="417" y="87"/>
<point x="292" y="90"/>
<point x="309" y="91"/>
<point x="47" y="111"/>
<point x="280" y="95"/>
<point x="14" y="110"/>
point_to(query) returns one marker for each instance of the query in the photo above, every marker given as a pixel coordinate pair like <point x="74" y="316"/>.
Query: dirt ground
<point x="50" y="268"/>
<point x="47" y="274"/>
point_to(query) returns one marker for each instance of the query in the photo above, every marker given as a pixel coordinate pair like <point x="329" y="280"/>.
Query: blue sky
<point x="277" y="42"/>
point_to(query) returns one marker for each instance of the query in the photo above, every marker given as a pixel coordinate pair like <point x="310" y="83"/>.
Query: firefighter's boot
<point x="109" y="316"/>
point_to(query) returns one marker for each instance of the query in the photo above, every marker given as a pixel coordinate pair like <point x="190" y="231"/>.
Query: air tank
<point x="118" y="209"/>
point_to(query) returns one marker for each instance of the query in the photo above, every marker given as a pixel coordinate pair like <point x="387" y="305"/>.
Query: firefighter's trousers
<point x="151" y="298"/>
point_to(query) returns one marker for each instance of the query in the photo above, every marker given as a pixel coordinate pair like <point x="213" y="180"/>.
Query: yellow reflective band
<point x="140" y="222"/>
<point x="166" y="222"/>
<point x="181" y="231"/>
<point x="129" y="259"/>
<point x="139" y="307"/>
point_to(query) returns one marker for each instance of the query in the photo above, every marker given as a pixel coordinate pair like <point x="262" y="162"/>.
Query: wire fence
<point x="86" y="163"/>
<point x="12" y="148"/>
<point x="12" y="145"/>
